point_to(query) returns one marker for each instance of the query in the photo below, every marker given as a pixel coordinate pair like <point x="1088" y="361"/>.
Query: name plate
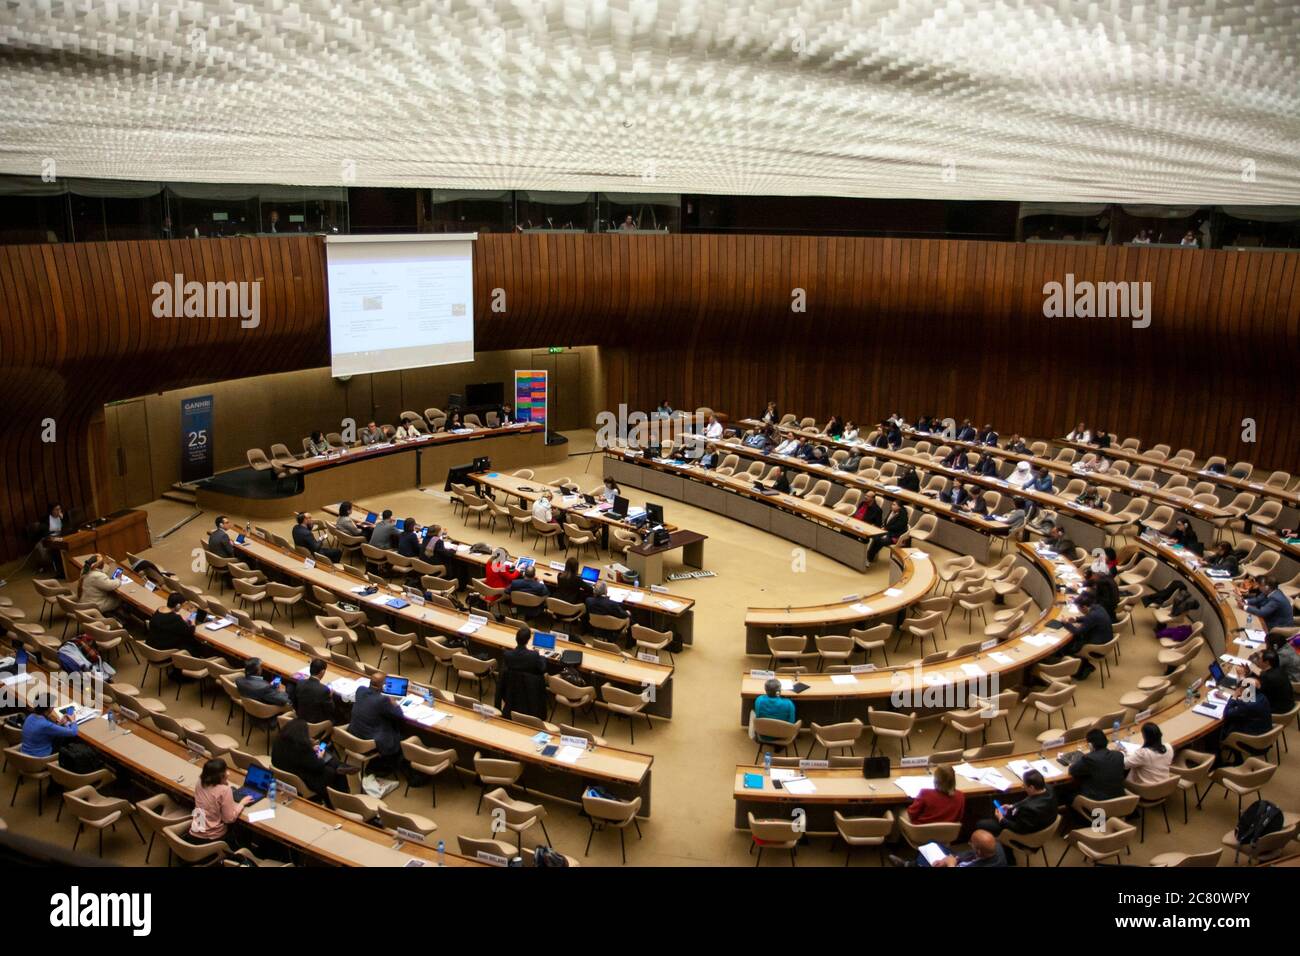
<point x="293" y="645"/>
<point x="410" y="836"/>
<point x="195" y="748"/>
<point x="849" y="598"/>
<point x="1142" y="716"/>
<point x="648" y="658"/>
<point x="658" y="589"/>
<point x="150" y="586"/>
<point x="761" y="674"/>
<point x="557" y="566"/>
<point x="128" y="713"/>
<point x="288" y="789"/>
<point x="861" y="668"/>
<point x="582" y="743"/>
<point x="1058" y="742"/>
<point x="419" y="691"/>
<point x="309" y="563"/>
<point x="914" y="762"/>
<point x="814" y="764"/>
<point x="478" y="620"/>
<point x="992" y="642"/>
<point x="492" y="859"/>
<point x="483" y="710"/>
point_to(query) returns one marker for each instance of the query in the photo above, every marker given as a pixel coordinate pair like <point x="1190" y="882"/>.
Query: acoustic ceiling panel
<point x="1171" y="101"/>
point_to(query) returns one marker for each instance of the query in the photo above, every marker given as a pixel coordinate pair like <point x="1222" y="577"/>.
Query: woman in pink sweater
<point x="215" y="807"/>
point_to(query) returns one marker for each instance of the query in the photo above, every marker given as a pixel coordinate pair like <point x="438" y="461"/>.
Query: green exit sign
<point x="555" y="349"/>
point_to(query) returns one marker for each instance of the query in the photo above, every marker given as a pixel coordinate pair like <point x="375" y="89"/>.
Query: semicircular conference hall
<point x="650" y="435"/>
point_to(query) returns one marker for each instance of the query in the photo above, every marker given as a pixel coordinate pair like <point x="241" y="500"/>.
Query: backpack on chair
<point x="1257" y="821"/>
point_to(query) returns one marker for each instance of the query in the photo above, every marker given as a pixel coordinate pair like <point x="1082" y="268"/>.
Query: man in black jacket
<point x="1059" y="543"/>
<point x="528" y="584"/>
<point x="895" y="528"/>
<point x="1103" y="588"/>
<point x="600" y="603"/>
<point x="312" y="700"/>
<point x="256" y="687"/>
<point x="219" y="539"/>
<point x="1094" y="627"/>
<point x="303" y="538"/>
<point x="522" y="685"/>
<point x="1031" y="814"/>
<point x="168" y="631"/>
<point x="376" y="716"/>
<point x="780" y="482"/>
<point x="1100" y="772"/>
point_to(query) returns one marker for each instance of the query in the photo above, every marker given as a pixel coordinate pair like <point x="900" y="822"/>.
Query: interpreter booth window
<point x="107" y="210"/>
<point x="32" y="210"/>
<point x="1084" y="224"/>
<point x="292" y="210"/>
<point x="640" y="212"/>
<point x="212" y="210"/>
<point x="1168" y="226"/>
<point x="537" y="211"/>
<point x="470" y="210"/>
<point x="1258" y="227"/>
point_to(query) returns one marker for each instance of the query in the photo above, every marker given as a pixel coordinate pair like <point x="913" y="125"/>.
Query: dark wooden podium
<point x="114" y="535"/>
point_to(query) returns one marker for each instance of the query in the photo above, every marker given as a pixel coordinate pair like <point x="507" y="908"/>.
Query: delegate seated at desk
<point x="294" y="752"/>
<point x="384" y="534"/>
<point x="780" y="482"/>
<point x="895" y="527"/>
<point x="1094" y="627"/>
<point x="168" y="631"/>
<point x="346" y="523"/>
<point x="569" y="585"/>
<point x="312" y="700"/>
<point x="45" y="729"/>
<point x="51" y="526"/>
<point x="1100" y="772"/>
<point x="601" y="603"/>
<point x="521" y="686"/>
<point x="773" y="706"/>
<point x="219" y="538"/>
<point x="371" y="435"/>
<point x="529" y="584"/>
<point x="1031" y="814"/>
<point x="303" y="538"/>
<point x="1271" y="606"/>
<point x="376" y="716"/>
<point x="255" y="686"/>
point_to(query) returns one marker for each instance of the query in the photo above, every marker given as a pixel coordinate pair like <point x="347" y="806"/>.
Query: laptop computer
<point x="257" y="781"/>
<point x="654" y="512"/>
<point x="371" y="517"/>
<point x="396" y="686"/>
<point x="571" y="658"/>
<point x="543" y="641"/>
<point x="620" y="507"/>
<point x="1220" y="677"/>
<point x="591" y="575"/>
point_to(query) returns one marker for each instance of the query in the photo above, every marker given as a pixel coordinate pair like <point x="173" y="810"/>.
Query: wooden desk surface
<point x="514" y="486"/>
<point x="493" y="733"/>
<point x="309" y="827"/>
<point x="660" y="602"/>
<point x="1019" y="651"/>
<point x="1276" y="542"/>
<point x="818" y="514"/>
<point x="912" y="499"/>
<point x="1191" y="471"/>
<point x="917" y="580"/>
<point x="677" y="539"/>
<point x="359" y="452"/>
<point x="342" y="581"/>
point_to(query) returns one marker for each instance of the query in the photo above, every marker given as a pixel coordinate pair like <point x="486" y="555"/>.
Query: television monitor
<point x="485" y="393"/>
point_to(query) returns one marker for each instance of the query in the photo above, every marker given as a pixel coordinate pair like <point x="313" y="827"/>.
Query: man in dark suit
<point x="600" y="603"/>
<point x="1060" y="543"/>
<point x="376" y="716"/>
<point x="780" y="481"/>
<point x="1104" y="589"/>
<point x="1100" y="772"/>
<point x="967" y="431"/>
<point x="522" y="685"/>
<point x="303" y="538"/>
<point x="1093" y="628"/>
<point x="529" y="584"/>
<point x="168" y="631"/>
<point x="985" y="850"/>
<point x="895" y="528"/>
<point x="219" y="539"/>
<point x="1031" y="814"/>
<point x="312" y="700"/>
<point x="254" y="686"/>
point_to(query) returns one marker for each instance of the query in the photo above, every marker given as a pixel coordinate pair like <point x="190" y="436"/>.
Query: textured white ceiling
<point x="1162" y="101"/>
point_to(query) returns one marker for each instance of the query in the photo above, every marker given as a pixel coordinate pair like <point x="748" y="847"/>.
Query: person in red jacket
<point x="497" y="575"/>
<point x="943" y="804"/>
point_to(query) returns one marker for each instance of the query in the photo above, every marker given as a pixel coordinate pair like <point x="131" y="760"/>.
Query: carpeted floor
<point x="697" y="751"/>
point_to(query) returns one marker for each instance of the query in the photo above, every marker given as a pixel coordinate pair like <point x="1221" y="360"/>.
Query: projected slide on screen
<point x="399" y="301"/>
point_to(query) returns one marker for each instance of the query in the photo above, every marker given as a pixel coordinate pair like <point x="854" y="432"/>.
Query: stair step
<point x="184" y="497"/>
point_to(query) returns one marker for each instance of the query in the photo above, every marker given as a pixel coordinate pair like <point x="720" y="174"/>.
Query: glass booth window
<point x="538" y="211"/>
<point x="470" y="210"/>
<point x="640" y="212"/>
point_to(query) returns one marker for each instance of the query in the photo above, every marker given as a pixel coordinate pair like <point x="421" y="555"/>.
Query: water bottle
<point x="270" y="793"/>
<point x="111" y="717"/>
<point x="20" y="660"/>
<point x="1115" y="728"/>
<point x="767" y="763"/>
<point x="442" y="853"/>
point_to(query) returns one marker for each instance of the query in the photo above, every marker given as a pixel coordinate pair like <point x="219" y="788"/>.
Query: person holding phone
<point x="96" y="587"/>
<point x="45" y="729"/>
<point x="295" y="752"/>
<point x="1033" y="813"/>
<point x="255" y="686"/>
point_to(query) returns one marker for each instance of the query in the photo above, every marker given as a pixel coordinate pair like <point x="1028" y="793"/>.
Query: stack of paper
<point x="843" y="679"/>
<point x="912" y="786"/>
<point x="801" y="786"/>
<point x="861" y="608"/>
<point x="1040" y="640"/>
<point x="1003" y="659"/>
<point x="568" y="754"/>
<point x="347" y="687"/>
<point x="893" y="592"/>
<point x="668" y="605"/>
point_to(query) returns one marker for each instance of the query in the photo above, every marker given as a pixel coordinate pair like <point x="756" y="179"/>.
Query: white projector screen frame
<point x="390" y="267"/>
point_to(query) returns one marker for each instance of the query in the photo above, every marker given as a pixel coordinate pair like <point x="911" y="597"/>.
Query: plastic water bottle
<point x="767" y="763"/>
<point x="442" y="853"/>
<point x="20" y="660"/>
<point x="270" y="793"/>
<point x="1115" y="728"/>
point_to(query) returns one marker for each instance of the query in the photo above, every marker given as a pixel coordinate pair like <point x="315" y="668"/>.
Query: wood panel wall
<point x="924" y="326"/>
<point x="917" y="326"/>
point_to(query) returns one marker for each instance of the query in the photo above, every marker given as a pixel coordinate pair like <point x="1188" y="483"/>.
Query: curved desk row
<point x="633" y="674"/>
<point x="309" y="828"/>
<point x="813" y="526"/>
<point x="912" y="577"/>
<point x="661" y="610"/>
<point x="948" y="684"/>
<point x="626" y="772"/>
<point x="848" y="791"/>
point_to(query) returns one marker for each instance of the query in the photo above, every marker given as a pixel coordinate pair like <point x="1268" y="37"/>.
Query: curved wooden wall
<point x="917" y="326"/>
